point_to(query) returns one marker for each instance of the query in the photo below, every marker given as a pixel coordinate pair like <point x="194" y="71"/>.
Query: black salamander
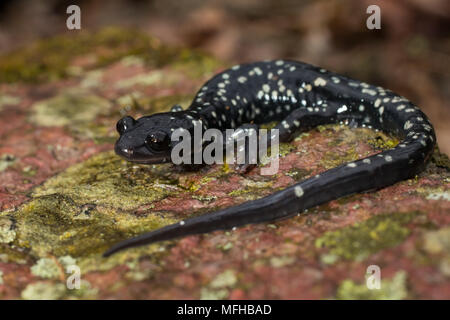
<point x="300" y="96"/>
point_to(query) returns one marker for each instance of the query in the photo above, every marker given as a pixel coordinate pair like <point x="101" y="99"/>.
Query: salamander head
<point x="146" y="140"/>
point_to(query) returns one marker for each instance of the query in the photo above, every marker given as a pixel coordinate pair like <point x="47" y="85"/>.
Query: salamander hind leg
<point x="247" y="140"/>
<point x="301" y="120"/>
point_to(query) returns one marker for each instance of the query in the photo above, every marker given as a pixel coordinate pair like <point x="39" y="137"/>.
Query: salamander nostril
<point x="128" y="151"/>
<point x="124" y="152"/>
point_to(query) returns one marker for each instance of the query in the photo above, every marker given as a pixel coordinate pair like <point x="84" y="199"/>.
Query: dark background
<point x="410" y="54"/>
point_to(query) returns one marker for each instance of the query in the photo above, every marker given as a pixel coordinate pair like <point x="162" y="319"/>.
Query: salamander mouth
<point x="147" y="161"/>
<point x="132" y="156"/>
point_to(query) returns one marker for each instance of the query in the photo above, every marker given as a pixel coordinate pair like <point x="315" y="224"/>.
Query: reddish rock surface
<point x="65" y="198"/>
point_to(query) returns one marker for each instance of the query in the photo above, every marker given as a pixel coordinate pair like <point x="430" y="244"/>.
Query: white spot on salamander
<point x="320" y="82"/>
<point x="407" y="125"/>
<point x="260" y="94"/>
<point x="258" y="71"/>
<point x="298" y="191"/>
<point x="242" y="79"/>
<point x="368" y="91"/>
<point x="335" y="79"/>
<point x="342" y="109"/>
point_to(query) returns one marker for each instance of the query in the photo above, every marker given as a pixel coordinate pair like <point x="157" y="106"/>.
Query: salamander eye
<point x="124" y="124"/>
<point x="157" y="141"/>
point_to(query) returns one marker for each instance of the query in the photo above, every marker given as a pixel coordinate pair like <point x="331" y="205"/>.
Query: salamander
<point x="299" y="96"/>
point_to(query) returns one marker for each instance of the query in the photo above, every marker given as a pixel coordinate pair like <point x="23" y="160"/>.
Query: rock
<point x="66" y="197"/>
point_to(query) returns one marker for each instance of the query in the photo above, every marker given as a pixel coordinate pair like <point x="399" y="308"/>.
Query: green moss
<point x="391" y="289"/>
<point x="97" y="197"/>
<point x="269" y="125"/>
<point x="298" y="174"/>
<point x="109" y="181"/>
<point x="48" y="224"/>
<point x="382" y="141"/>
<point x="164" y="103"/>
<point x="365" y="238"/>
<point x="252" y="189"/>
<point x="284" y="149"/>
<point x="332" y="159"/>
<point x="441" y="159"/>
<point x="88" y="207"/>
<point x="196" y="64"/>
<point x="349" y="139"/>
<point x="50" y="59"/>
<point x="9" y="254"/>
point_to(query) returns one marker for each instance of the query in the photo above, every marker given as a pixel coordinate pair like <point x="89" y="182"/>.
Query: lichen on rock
<point x="95" y="197"/>
<point x="362" y="239"/>
<point x="72" y="108"/>
<point x="43" y="291"/>
<point x="67" y="197"/>
<point x="390" y="289"/>
<point x="7" y="232"/>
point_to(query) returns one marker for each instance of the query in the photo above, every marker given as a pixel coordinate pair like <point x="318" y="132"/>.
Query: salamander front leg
<point x="243" y="144"/>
